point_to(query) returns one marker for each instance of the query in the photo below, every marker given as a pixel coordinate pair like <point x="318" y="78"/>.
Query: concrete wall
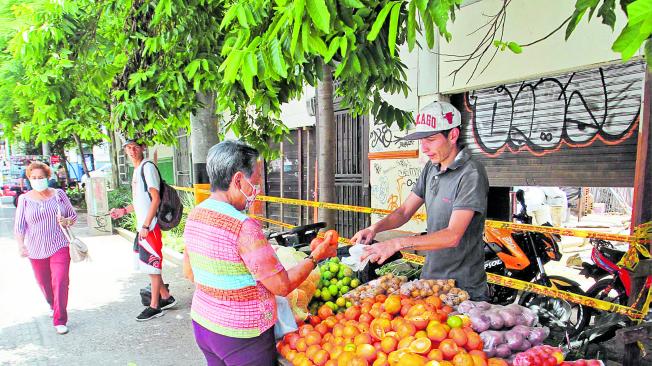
<point x="295" y="114"/>
<point x="527" y="21"/>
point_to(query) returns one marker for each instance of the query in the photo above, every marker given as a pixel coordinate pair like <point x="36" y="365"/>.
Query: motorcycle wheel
<point x="616" y="295"/>
<point x="552" y="311"/>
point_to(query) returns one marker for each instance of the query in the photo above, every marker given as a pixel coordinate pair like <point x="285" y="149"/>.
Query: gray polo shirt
<point x="463" y="186"/>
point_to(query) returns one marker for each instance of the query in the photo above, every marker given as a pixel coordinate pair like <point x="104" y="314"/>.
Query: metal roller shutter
<point x="575" y="129"/>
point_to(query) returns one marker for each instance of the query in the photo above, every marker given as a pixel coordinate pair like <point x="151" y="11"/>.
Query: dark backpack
<point x="170" y="209"/>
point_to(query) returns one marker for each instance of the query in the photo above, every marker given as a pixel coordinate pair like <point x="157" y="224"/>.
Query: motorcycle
<point x="522" y="255"/>
<point x="612" y="282"/>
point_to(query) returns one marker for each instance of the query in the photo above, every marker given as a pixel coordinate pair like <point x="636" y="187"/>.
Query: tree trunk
<point x="46" y="148"/>
<point x="326" y="131"/>
<point x="113" y="151"/>
<point x="203" y="135"/>
<point x="81" y="152"/>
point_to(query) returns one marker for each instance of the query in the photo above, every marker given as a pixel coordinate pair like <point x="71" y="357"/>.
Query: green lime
<point x="331" y="305"/>
<point x="333" y="281"/>
<point x="346" y="281"/>
<point x="339" y="283"/>
<point x="340" y="274"/>
<point x="355" y="283"/>
<point x="349" y="304"/>
<point x="325" y="283"/>
<point x="323" y="268"/>
<point x="350" y="347"/>
<point x="334" y="267"/>
<point x="317" y="293"/>
<point x="335" y="260"/>
<point x="333" y="289"/>
<point x="327" y="275"/>
<point x="348" y="272"/>
<point x="454" y="321"/>
<point x="340" y="301"/>
<point x="326" y="295"/>
<point x="345" y="289"/>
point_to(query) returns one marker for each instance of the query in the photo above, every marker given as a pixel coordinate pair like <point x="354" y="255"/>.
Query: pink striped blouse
<point x="36" y="220"/>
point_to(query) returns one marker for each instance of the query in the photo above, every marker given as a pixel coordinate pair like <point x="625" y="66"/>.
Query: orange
<point x="324" y="312"/>
<point x="410" y="359"/>
<point x="322" y="329"/>
<point x="310" y="352"/>
<point x="405" y="342"/>
<point x="345" y="358"/>
<point x="381" y="298"/>
<point x="338" y="330"/>
<point x="367" y="352"/>
<point x="291" y="339"/>
<point x="448" y="348"/>
<point x="405" y="330"/>
<point x="314" y="320"/>
<point x="497" y="362"/>
<point x="463" y="359"/>
<point x="365" y="318"/>
<point x="362" y="338"/>
<point x="434" y="301"/>
<point x="436" y="332"/>
<point x="479" y="360"/>
<point x="474" y="342"/>
<point x="395" y="356"/>
<point x="459" y="336"/>
<point x="421" y="334"/>
<point x="389" y="344"/>
<point x="302" y="346"/>
<point x="320" y="358"/>
<point x="352" y="313"/>
<point x="436" y="355"/>
<point x="379" y="327"/>
<point x="392" y="304"/>
<point x="331" y="362"/>
<point x="420" y="345"/>
<point x="334" y="236"/>
<point x="305" y="329"/>
<point x="312" y="338"/>
<point x="350" y="331"/>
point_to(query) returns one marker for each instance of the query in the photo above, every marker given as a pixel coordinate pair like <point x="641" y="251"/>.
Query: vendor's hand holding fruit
<point x="378" y="252"/>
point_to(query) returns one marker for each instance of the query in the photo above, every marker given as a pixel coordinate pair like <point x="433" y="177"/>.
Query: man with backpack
<point x="146" y="187"/>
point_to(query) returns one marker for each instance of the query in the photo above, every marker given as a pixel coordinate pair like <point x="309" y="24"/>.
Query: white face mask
<point x="39" y="185"/>
<point x="250" y="199"/>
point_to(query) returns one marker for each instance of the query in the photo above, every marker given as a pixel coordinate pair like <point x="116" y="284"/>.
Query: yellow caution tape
<point x="517" y="284"/>
<point x="641" y="236"/>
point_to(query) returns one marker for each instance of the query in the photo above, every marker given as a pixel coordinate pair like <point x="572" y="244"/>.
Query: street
<point x="103" y="303"/>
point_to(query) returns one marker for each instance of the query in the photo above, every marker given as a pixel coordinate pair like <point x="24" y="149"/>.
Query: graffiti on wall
<point x="540" y="116"/>
<point x="383" y="138"/>
<point x="391" y="183"/>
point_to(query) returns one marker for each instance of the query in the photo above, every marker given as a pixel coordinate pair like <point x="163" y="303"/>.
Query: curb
<point x="169" y="254"/>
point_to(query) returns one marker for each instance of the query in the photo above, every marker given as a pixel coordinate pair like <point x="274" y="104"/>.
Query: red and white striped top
<point x="36" y="220"/>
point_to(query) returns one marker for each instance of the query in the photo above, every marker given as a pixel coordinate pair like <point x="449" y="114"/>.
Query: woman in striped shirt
<point x="38" y="216"/>
<point x="236" y="271"/>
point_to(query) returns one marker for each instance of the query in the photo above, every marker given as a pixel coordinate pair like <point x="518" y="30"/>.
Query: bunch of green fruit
<point x="336" y="280"/>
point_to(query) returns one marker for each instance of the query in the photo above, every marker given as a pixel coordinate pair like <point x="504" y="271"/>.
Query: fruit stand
<point x="398" y="319"/>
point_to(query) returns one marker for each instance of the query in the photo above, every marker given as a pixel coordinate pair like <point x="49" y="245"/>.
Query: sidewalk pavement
<point x="103" y="303"/>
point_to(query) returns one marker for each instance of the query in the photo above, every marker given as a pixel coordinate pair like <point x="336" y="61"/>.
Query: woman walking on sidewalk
<point x="41" y="239"/>
<point x="236" y="271"/>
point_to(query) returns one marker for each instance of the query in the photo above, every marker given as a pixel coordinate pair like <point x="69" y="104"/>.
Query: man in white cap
<point x="454" y="187"/>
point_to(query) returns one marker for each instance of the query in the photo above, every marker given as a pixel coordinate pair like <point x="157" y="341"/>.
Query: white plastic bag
<point x="354" y="261"/>
<point x="285" y="322"/>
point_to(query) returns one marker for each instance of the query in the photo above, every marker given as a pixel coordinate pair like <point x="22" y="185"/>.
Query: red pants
<point x="52" y="277"/>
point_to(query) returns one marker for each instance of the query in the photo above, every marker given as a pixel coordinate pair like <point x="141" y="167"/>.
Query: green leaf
<point x="422" y="5"/>
<point x="380" y="20"/>
<point x="317" y="44"/>
<point x="319" y="14"/>
<point x="515" y="47"/>
<point x="332" y="49"/>
<point x="191" y="69"/>
<point x="429" y="29"/>
<point x="228" y="17"/>
<point x="640" y="11"/>
<point x="251" y="63"/>
<point x="628" y="42"/>
<point x="343" y="46"/>
<point x="606" y="12"/>
<point x="233" y="65"/>
<point x="393" y="28"/>
<point x="575" y="20"/>
<point x="242" y="17"/>
<point x="299" y="6"/>
<point x="412" y="25"/>
<point x="353" y="4"/>
<point x="278" y="63"/>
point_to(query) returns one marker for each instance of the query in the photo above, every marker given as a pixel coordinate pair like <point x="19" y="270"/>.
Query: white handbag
<point x="78" y="249"/>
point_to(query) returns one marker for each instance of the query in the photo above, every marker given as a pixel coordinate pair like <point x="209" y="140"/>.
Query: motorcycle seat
<point x="612" y="254"/>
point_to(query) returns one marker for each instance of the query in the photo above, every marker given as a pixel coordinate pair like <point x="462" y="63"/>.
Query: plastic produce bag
<point x="354" y="260"/>
<point x="301" y="296"/>
<point x="285" y="322"/>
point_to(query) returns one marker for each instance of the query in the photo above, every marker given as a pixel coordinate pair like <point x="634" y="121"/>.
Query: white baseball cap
<point x="433" y="119"/>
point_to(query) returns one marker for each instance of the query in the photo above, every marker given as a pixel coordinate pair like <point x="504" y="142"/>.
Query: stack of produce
<point x="300" y="297"/>
<point x="505" y="330"/>
<point x="393" y="330"/>
<point x="400" y="267"/>
<point x="549" y="356"/>
<point x="385" y="285"/>
<point x="336" y="280"/>
<point x="444" y="289"/>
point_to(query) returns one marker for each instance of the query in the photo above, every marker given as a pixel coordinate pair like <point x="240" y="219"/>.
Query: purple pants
<point x="52" y="276"/>
<point x="221" y="350"/>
